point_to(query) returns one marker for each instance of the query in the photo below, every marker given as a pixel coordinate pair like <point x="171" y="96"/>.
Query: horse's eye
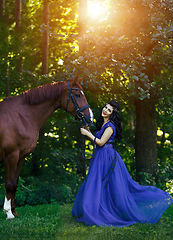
<point x="77" y="95"/>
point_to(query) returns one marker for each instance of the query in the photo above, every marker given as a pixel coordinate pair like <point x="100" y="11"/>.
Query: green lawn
<point x="56" y="222"/>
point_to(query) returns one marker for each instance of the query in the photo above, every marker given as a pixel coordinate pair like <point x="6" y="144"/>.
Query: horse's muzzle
<point x="84" y="119"/>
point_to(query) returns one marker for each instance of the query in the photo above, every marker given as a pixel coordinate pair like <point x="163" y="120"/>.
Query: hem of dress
<point x="79" y="219"/>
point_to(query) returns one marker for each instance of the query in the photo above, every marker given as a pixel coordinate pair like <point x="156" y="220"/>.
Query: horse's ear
<point x="75" y="80"/>
<point x="80" y="79"/>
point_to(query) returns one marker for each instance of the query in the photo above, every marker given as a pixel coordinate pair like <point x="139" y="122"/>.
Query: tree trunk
<point x="2" y="7"/>
<point x="45" y="49"/>
<point x="17" y="13"/>
<point x="145" y="138"/>
<point x="4" y="38"/>
<point x="18" y="38"/>
<point x="45" y="41"/>
<point x="42" y="144"/>
<point x="82" y="22"/>
<point x="7" y="82"/>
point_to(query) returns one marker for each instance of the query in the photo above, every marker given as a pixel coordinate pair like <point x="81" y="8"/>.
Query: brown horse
<point x="20" y="120"/>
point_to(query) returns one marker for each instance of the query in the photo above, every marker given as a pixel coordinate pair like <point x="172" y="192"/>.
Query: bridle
<point x="85" y="120"/>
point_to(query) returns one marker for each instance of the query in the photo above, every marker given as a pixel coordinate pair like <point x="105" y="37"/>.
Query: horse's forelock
<point x="77" y="85"/>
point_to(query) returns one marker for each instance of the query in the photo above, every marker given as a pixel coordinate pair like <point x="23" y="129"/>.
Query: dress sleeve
<point x="110" y="124"/>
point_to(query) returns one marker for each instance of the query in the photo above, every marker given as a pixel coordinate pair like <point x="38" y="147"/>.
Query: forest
<point x="123" y="49"/>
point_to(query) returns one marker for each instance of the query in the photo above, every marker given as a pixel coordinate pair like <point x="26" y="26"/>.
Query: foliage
<point x="126" y="53"/>
<point x="43" y="190"/>
<point x="169" y="186"/>
<point x="21" y="55"/>
<point x="119" y="54"/>
<point x="43" y="194"/>
<point x="2" y="194"/>
<point x="132" y="59"/>
<point x="162" y="181"/>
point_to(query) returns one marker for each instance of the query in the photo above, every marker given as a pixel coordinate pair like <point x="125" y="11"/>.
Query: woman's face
<point x="107" y="111"/>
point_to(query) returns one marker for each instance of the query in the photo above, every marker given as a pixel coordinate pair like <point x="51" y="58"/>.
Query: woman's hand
<point x="84" y="131"/>
<point x="105" y="137"/>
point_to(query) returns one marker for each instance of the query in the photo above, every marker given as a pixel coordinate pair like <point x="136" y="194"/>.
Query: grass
<point x="55" y="222"/>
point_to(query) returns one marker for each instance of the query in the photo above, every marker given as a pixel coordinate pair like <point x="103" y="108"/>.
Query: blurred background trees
<point x="124" y="50"/>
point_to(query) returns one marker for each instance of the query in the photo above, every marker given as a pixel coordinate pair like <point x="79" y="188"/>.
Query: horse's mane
<point x="41" y="93"/>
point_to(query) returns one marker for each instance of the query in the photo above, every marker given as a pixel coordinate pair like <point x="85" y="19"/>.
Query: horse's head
<point x="74" y="101"/>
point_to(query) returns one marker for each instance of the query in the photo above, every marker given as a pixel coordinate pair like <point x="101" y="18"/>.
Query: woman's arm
<point x="106" y="135"/>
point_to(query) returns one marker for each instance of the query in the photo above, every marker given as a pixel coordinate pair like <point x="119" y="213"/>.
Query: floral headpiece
<point x="116" y="110"/>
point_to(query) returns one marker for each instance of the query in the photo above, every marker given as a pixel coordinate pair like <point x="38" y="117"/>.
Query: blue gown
<point x="110" y="197"/>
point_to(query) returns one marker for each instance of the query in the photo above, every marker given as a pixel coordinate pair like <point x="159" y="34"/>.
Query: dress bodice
<point x="99" y="133"/>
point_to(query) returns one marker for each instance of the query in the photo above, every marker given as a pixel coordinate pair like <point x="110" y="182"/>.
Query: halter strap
<point x="79" y="111"/>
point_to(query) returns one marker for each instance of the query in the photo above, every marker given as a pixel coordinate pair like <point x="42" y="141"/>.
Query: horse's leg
<point x="18" y="170"/>
<point x="7" y="208"/>
<point x="10" y="181"/>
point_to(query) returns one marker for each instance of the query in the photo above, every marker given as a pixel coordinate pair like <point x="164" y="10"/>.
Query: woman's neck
<point x="105" y="120"/>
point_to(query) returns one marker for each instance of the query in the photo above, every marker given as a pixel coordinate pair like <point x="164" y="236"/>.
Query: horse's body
<point x="20" y="120"/>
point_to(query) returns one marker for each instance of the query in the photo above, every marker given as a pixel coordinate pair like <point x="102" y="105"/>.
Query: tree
<point x="132" y="55"/>
<point x="17" y="13"/>
<point x="82" y="24"/>
<point x="45" y="41"/>
<point x="128" y="56"/>
<point x="4" y="41"/>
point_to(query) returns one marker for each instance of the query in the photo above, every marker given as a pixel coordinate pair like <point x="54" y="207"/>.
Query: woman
<point x="109" y="196"/>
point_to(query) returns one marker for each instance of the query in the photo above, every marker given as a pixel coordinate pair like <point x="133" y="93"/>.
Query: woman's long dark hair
<point x="115" y="118"/>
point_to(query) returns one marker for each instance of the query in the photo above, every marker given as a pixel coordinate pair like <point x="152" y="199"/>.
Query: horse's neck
<point x="41" y="112"/>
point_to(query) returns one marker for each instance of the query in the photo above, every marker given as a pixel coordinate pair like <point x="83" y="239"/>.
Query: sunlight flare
<point x="97" y="10"/>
